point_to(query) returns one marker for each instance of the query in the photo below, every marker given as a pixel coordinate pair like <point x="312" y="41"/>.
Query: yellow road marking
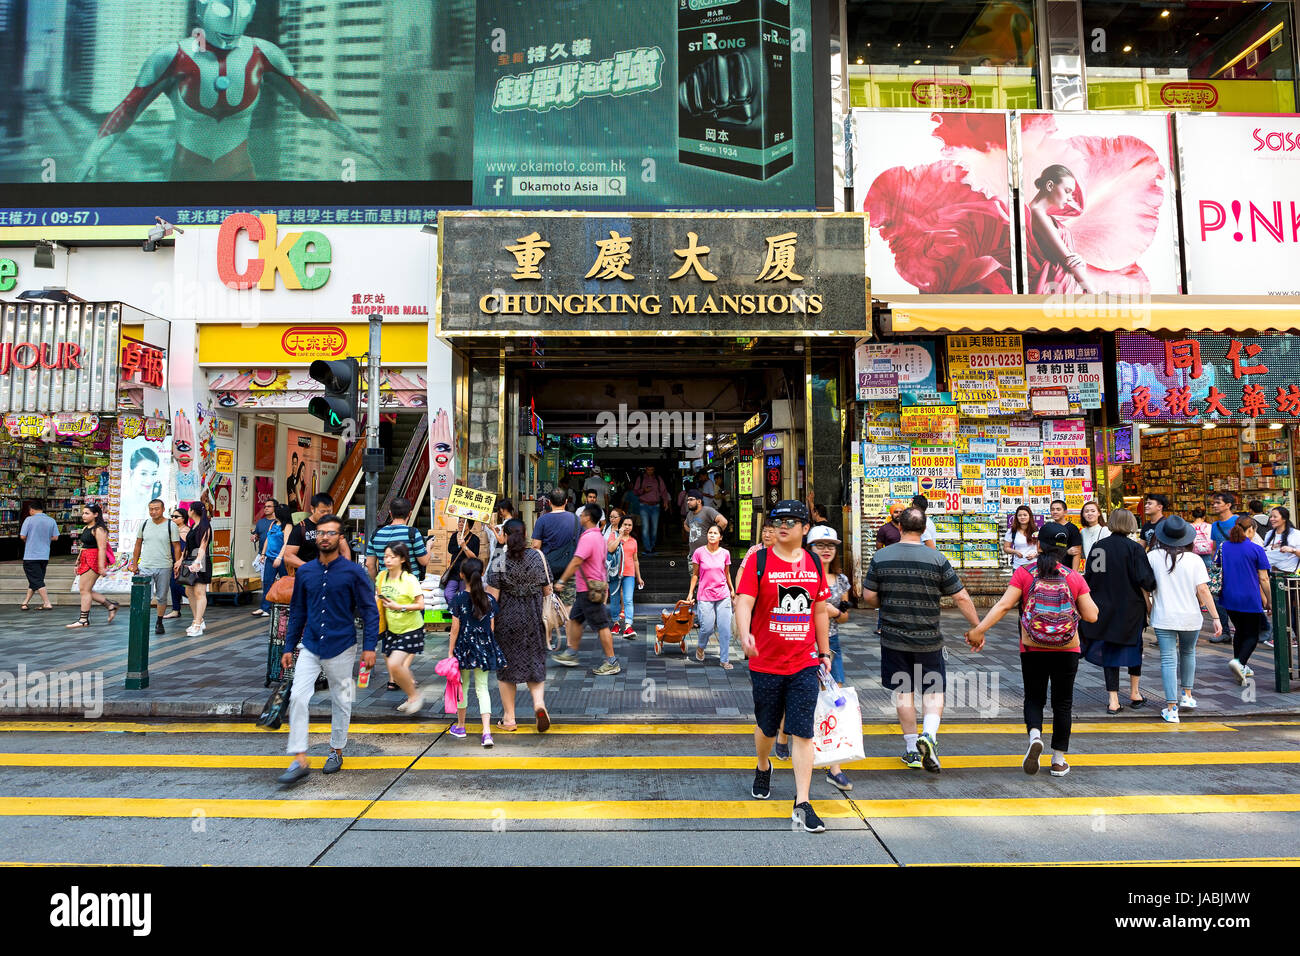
<point x="1226" y="861"/>
<point x="650" y="730"/>
<point x="502" y="760"/>
<point x="1154" y="804"/>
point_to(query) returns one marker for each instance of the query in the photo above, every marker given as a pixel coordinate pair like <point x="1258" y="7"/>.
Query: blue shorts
<point x="900" y="671"/>
<point x="792" y="696"/>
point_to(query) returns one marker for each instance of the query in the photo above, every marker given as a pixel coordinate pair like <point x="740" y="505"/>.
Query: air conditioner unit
<point x="782" y="414"/>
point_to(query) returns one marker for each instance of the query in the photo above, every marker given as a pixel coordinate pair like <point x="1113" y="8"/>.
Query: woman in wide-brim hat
<point x="1182" y="589"/>
<point x="1120" y="579"/>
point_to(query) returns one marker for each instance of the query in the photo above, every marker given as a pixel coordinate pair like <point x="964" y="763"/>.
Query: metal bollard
<point x="1281" y="633"/>
<point x="137" y="648"/>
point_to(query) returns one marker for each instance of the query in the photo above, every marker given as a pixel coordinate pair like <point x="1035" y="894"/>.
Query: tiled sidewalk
<point x="222" y="674"/>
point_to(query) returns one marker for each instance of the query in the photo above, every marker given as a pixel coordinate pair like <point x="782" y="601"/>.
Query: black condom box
<point x="734" y="112"/>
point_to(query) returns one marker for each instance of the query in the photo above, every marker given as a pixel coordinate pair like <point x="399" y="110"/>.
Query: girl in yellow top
<point x="400" y="595"/>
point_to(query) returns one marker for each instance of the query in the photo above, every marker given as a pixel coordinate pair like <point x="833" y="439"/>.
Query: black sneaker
<point x="762" y="788"/>
<point x="158" y="627"/>
<point x="804" y="815"/>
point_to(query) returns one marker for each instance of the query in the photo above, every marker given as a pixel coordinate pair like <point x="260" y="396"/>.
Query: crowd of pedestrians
<point x="1083" y="589"/>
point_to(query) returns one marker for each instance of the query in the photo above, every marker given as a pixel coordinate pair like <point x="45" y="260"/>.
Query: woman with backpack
<point x="1119" y="578"/>
<point x="1053" y="598"/>
<point x="1245" y="593"/>
<point x="1182" y="590"/>
<point x="1203" y="543"/>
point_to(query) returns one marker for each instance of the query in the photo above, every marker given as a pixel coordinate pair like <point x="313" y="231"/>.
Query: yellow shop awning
<point x="918" y="314"/>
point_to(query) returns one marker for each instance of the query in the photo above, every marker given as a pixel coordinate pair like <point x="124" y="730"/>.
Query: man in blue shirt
<point x="263" y="526"/>
<point x="555" y="534"/>
<point x="38" y="532"/>
<point x="329" y="593"/>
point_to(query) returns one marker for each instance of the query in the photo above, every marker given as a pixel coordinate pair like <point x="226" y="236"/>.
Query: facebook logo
<point x="496" y="184"/>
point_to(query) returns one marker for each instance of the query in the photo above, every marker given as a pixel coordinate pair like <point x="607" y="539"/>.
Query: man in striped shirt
<point x="397" y="531"/>
<point x="907" y="581"/>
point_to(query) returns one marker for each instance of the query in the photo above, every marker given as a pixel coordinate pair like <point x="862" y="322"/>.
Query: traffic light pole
<point x="372" y="429"/>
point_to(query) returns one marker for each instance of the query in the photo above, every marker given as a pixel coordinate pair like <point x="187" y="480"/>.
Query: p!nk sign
<point x="1241" y="203"/>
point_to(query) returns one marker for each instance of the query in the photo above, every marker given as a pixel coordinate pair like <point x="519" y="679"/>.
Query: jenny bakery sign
<point x="653" y="274"/>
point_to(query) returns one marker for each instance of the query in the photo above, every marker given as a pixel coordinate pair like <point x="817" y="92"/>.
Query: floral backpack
<point x="1049" y="619"/>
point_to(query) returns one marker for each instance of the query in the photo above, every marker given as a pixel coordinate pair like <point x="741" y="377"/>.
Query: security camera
<point x="160" y="230"/>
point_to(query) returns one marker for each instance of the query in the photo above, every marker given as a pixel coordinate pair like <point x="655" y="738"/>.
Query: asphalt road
<point x="671" y="794"/>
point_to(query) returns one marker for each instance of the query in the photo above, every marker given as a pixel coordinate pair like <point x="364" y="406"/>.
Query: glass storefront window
<point x="933" y="53"/>
<point x="1203" y="56"/>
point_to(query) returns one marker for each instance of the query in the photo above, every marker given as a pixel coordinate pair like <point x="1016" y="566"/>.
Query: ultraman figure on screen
<point x="214" y="80"/>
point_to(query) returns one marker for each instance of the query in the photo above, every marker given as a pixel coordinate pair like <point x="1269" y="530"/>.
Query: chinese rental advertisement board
<point x="1074" y="367"/>
<point x="1205" y="377"/>
<point x="937" y="187"/>
<point x="792" y="273"/>
<point x="912" y="364"/>
<point x="175" y="92"/>
<point x="1240" y="179"/>
<point x="1097" y="196"/>
<point x="680" y="104"/>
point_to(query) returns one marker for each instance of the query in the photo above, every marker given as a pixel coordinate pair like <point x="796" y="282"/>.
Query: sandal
<point x="1117" y="710"/>
<point x="24" y="607"/>
<point x="727" y="666"/>
<point x="82" y="621"/>
<point x="1139" y="702"/>
<point x="699" y="655"/>
<point x="391" y="686"/>
<point x="46" y="607"/>
<point x="112" y="611"/>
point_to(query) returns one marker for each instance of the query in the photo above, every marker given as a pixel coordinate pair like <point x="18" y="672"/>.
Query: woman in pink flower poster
<point x="936" y="186"/>
<point x="1098" y="204"/>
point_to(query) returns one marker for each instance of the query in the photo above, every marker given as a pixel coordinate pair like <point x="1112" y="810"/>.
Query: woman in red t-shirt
<point x="1042" y="663"/>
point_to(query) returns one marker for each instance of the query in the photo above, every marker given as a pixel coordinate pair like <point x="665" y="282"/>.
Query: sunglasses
<point x="786" y="522"/>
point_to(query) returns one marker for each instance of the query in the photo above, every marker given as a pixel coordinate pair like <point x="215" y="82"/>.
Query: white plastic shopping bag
<point x="837" y="725"/>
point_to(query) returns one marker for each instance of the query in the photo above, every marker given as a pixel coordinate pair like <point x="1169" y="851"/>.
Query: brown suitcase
<point x="675" y="627"/>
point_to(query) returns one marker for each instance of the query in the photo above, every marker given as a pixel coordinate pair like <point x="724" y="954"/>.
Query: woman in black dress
<point x="520" y="582"/>
<point x="197" y="559"/>
<point x="1120" y="579"/>
<point x="463" y="544"/>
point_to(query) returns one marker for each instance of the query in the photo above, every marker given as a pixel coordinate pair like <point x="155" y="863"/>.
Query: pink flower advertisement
<point x="937" y="188"/>
<point x="1097" y="204"/>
